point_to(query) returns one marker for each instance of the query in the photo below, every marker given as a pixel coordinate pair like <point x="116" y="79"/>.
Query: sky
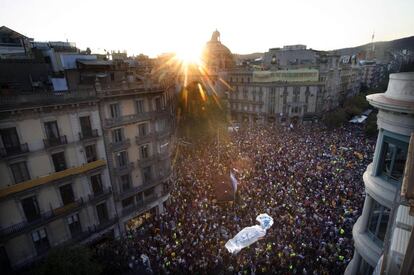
<point x="153" y="27"/>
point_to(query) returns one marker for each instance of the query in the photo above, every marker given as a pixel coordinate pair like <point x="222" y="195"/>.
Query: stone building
<point x="284" y="95"/>
<point x="216" y="56"/>
<point x="85" y="156"/>
<point x="55" y="186"/>
<point x="374" y="231"/>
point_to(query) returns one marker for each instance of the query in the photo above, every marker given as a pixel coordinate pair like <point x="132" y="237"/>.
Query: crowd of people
<point x="309" y="179"/>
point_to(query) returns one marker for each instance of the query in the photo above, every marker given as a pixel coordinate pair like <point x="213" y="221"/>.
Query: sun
<point x="188" y="55"/>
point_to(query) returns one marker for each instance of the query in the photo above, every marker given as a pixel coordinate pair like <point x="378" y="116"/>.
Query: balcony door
<point x="102" y="212"/>
<point x="86" y="127"/>
<point x="10" y="139"/>
<point x="52" y="130"/>
<point x="30" y="208"/>
<point x="66" y="192"/>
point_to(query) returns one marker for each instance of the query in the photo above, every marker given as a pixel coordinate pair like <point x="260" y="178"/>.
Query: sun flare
<point x="188" y="56"/>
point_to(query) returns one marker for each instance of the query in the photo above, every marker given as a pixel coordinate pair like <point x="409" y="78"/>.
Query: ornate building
<point x="216" y="56"/>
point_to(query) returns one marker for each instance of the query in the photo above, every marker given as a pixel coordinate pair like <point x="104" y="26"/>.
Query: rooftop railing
<point x="30" y="99"/>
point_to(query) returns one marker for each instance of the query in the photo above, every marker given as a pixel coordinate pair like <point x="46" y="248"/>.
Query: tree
<point x="371" y="128"/>
<point x="336" y="118"/>
<point x="69" y="260"/>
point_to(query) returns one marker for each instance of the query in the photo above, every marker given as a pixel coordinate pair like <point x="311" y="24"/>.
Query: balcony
<point x="248" y="101"/>
<point x="20" y="187"/>
<point x="106" y="90"/>
<point x="89" y="134"/>
<point x="119" y="170"/>
<point x="54" y="142"/>
<point x="14" y="151"/>
<point x="139" y="140"/>
<point x="135" y="190"/>
<point x="145" y="205"/>
<point x="121" y="145"/>
<point x="101" y="194"/>
<point x="134" y="118"/>
<point x="43" y="218"/>
<point x="31" y="99"/>
<point x="163" y="134"/>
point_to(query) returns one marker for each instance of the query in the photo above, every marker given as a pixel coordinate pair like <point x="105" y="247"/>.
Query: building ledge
<point x="366" y="247"/>
<point x="7" y="191"/>
<point x="378" y="188"/>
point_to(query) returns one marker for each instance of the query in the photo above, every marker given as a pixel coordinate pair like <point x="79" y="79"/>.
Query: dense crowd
<point x="309" y="179"/>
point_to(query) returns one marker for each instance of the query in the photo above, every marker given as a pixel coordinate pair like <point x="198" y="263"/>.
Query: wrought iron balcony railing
<point x="14" y="151"/>
<point x="56" y="141"/>
<point x="88" y="134"/>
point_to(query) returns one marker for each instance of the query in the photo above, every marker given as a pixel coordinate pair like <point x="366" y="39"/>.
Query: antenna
<point x="372" y="41"/>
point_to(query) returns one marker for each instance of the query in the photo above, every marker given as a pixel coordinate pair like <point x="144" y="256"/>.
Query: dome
<point x="216" y="55"/>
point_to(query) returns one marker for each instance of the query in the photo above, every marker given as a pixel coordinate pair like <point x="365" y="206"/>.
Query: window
<point x="117" y="135"/>
<point x="59" y="161"/>
<point x="392" y="161"/>
<point x="140" y="106"/>
<point x="66" y="193"/>
<point x="52" y="131"/>
<point x="160" y="125"/>
<point x="150" y="193"/>
<point x="125" y="182"/>
<point x="86" y="127"/>
<point x="143" y="129"/>
<point x="90" y="152"/>
<point x="20" y="172"/>
<point x="102" y="212"/>
<point x="96" y="183"/>
<point x="245" y="94"/>
<point x="127" y="202"/>
<point x="10" y="140"/>
<point x="144" y="151"/>
<point x="378" y="221"/>
<point x="114" y="109"/>
<point x="30" y="208"/>
<point x="122" y="158"/>
<point x="146" y="174"/>
<point x="74" y="224"/>
<point x="40" y="241"/>
<point x="158" y="104"/>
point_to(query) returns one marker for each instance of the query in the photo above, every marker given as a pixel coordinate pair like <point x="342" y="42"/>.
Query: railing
<point x="13" y="151"/>
<point x="100" y="194"/>
<point x="22" y="99"/>
<point x="139" y="140"/>
<point x="237" y="100"/>
<point x="121" y="120"/>
<point x="88" y="134"/>
<point x="26" y="185"/>
<point x="41" y="219"/>
<point x="52" y="142"/>
<point x="144" y="204"/>
<point x="126" y="88"/>
<point x="153" y="182"/>
<point x="125" y="168"/>
<point x="123" y="144"/>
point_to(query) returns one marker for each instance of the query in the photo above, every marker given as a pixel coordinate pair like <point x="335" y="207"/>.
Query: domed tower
<point x="216" y="56"/>
<point x="373" y="231"/>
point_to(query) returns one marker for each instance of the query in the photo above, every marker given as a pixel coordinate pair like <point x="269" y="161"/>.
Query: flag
<point x="234" y="182"/>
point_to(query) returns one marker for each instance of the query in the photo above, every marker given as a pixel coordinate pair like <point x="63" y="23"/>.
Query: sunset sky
<point x="155" y="26"/>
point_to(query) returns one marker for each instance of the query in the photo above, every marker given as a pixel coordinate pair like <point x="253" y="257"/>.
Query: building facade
<point x="373" y="230"/>
<point x="55" y="186"/>
<point x="137" y="125"/>
<point x="85" y="149"/>
<point x="283" y="96"/>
